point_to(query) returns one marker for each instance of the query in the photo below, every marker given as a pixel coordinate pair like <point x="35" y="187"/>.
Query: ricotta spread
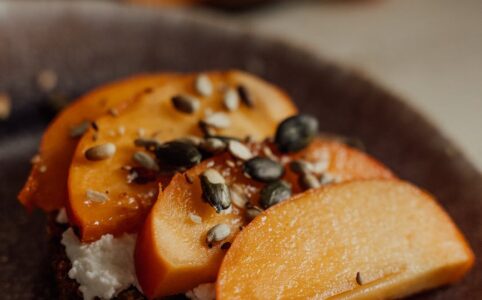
<point x="102" y="268"/>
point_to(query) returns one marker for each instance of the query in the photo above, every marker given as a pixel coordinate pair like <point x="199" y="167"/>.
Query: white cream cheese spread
<point x="102" y="268"/>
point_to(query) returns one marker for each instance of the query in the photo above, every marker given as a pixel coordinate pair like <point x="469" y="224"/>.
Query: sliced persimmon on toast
<point x="187" y="232"/>
<point x="373" y="239"/>
<point x="109" y="194"/>
<point x="46" y="186"/>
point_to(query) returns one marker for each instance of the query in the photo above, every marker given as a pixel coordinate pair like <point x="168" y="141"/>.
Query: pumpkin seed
<point x="238" y="197"/>
<point x="263" y="169"/>
<point x="217" y="233"/>
<point x="295" y="133"/>
<point x="100" y="152"/>
<point x="218" y="120"/>
<point x="245" y="96"/>
<point x="252" y="212"/>
<point x="203" y="85"/>
<point x="186" y="104"/>
<point x="148" y="144"/>
<point x="145" y="160"/>
<point x="96" y="196"/>
<point x="79" y="129"/>
<point x="213" y="145"/>
<point x="191" y="139"/>
<point x="214" y="190"/>
<point x="309" y="181"/>
<point x="274" y="193"/>
<point x="231" y="100"/>
<point x="300" y="167"/>
<point x="178" y="154"/>
<point x="239" y="150"/>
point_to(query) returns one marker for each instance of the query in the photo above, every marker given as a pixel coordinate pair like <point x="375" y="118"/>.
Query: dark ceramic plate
<point x="89" y="44"/>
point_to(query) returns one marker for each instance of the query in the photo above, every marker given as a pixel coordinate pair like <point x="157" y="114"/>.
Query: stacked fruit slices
<point x="188" y="161"/>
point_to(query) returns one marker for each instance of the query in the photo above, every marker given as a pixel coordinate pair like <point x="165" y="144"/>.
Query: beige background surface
<point x="427" y="51"/>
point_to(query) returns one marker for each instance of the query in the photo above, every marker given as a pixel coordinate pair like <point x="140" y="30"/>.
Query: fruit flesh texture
<point x="396" y="236"/>
<point x="171" y="252"/>
<point x="47" y="190"/>
<point x="154" y="114"/>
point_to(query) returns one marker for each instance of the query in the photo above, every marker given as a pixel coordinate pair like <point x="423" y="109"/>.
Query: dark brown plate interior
<point x="89" y="44"/>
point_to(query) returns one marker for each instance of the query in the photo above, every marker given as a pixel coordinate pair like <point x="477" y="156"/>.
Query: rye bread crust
<point x="67" y="288"/>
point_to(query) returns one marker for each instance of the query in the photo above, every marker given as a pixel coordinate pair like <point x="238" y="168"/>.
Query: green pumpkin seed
<point x="217" y="233"/>
<point x="214" y="190"/>
<point x="178" y="154"/>
<point x="274" y="193"/>
<point x="100" y="152"/>
<point x="295" y="133"/>
<point x="186" y="104"/>
<point x="263" y="169"/>
<point x="146" y="161"/>
<point x="79" y="129"/>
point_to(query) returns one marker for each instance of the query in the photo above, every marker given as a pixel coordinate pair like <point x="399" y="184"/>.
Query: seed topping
<point x="79" y="129"/>
<point x="218" y="120"/>
<point x="96" y="196"/>
<point x="309" y="181"/>
<point x="231" y="99"/>
<point x="145" y="160"/>
<point x="178" y="154"/>
<point x="214" y="190"/>
<point x="203" y="85"/>
<point x="195" y="218"/>
<point x="358" y="278"/>
<point x="252" y="212"/>
<point x="245" y="95"/>
<point x="263" y="169"/>
<point x="100" y="152"/>
<point x="213" y="145"/>
<point x="238" y="197"/>
<point x="217" y="233"/>
<point x="186" y="104"/>
<point x="300" y="167"/>
<point x="274" y="193"/>
<point x="295" y="133"/>
<point x="239" y="150"/>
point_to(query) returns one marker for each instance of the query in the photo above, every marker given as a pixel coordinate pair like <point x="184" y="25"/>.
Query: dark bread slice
<point x="67" y="288"/>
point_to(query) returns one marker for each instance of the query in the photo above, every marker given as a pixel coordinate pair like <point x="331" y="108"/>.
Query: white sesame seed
<point x="218" y="120"/>
<point x="96" y="196"/>
<point x="203" y="85"/>
<point x="231" y="99"/>
<point x="239" y="150"/>
<point x="213" y="176"/>
<point x="195" y="218"/>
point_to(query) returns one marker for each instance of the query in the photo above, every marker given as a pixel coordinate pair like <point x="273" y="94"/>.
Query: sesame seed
<point x="96" y="196"/>
<point x="218" y="120"/>
<point x="231" y="100"/>
<point x="186" y="104"/>
<point x="203" y="85"/>
<point x="239" y="150"/>
<point x="100" y="152"/>
<point x="195" y="218"/>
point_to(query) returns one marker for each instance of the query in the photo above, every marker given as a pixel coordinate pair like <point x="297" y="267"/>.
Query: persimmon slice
<point x="153" y="115"/>
<point x="373" y="239"/>
<point x="172" y="254"/>
<point x="46" y="186"/>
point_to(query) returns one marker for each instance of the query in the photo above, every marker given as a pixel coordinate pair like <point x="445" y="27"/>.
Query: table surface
<point x="428" y="52"/>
